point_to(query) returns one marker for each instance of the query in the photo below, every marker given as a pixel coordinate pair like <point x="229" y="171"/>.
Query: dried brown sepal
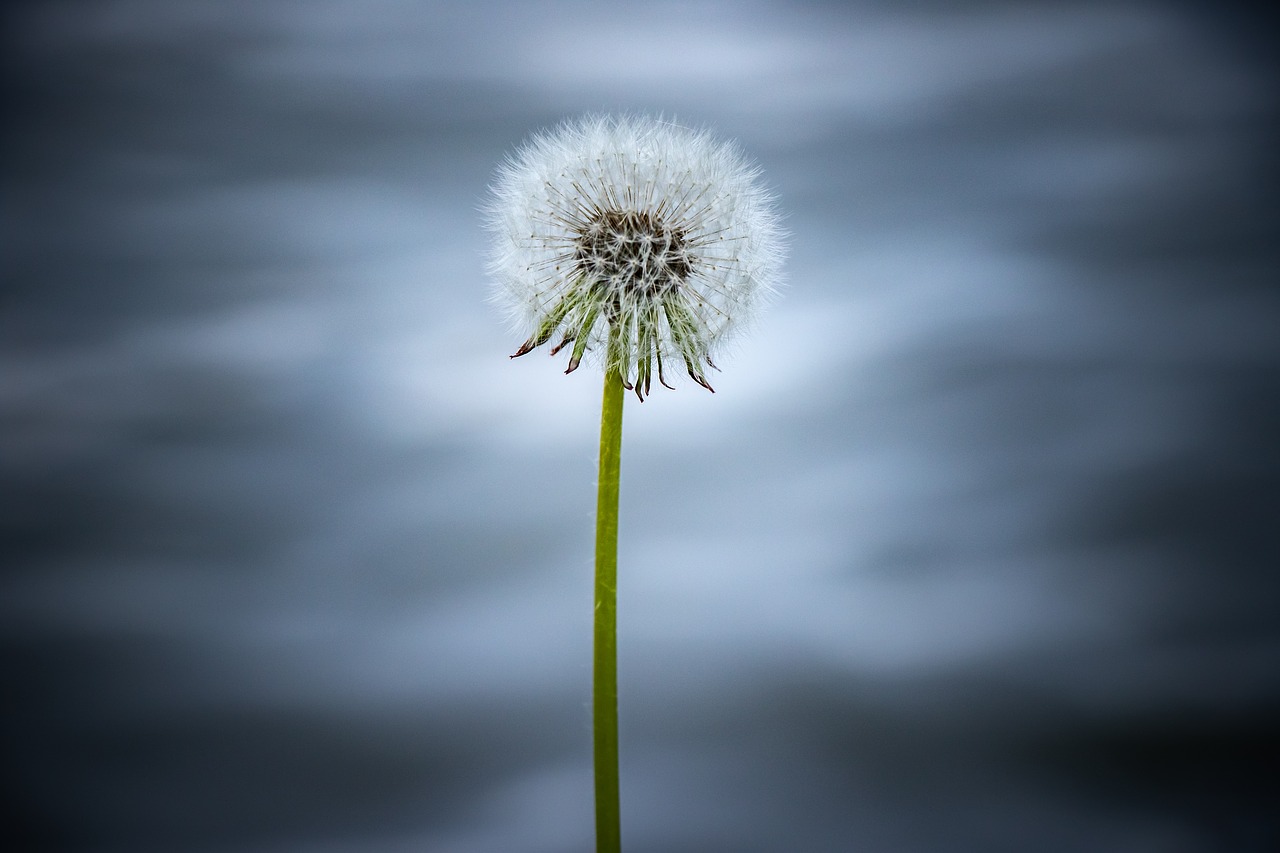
<point x="697" y="376"/>
<point x="527" y="346"/>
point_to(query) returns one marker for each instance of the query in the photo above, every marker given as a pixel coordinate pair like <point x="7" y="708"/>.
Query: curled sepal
<point x="546" y="328"/>
<point x="582" y="334"/>
<point x="684" y="328"/>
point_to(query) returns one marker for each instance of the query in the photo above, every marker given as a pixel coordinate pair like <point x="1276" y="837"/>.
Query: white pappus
<point x="636" y="241"/>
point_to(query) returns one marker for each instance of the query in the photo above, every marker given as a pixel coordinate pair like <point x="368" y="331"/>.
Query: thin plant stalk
<point x="605" y="646"/>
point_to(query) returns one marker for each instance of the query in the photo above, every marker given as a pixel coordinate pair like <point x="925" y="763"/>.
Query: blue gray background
<point x="972" y="550"/>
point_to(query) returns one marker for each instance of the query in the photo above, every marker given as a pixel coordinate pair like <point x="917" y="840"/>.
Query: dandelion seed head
<point x="640" y="244"/>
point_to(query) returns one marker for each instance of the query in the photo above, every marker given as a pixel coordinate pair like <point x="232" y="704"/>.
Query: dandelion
<point x="639" y="244"/>
<point x="634" y="241"/>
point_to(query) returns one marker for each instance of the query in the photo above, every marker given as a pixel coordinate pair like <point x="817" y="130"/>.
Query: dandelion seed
<point x="638" y="243"/>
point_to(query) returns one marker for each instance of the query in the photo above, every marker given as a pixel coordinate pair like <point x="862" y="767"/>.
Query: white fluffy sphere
<point x="637" y="241"/>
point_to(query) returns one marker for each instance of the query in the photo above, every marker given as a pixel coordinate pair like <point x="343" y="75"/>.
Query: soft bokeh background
<point x="973" y="550"/>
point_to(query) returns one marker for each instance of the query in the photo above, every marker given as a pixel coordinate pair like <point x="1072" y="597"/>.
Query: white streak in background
<point x="769" y="61"/>
<point x="782" y="58"/>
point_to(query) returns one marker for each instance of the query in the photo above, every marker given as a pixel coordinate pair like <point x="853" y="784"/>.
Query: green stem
<point x="605" y="668"/>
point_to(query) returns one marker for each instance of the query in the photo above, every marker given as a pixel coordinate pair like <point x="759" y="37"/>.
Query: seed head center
<point x="635" y="251"/>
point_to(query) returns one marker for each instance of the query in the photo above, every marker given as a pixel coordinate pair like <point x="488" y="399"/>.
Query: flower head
<point x="638" y="242"/>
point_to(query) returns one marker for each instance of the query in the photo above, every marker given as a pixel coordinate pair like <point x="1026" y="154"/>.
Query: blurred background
<point x="974" y="549"/>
